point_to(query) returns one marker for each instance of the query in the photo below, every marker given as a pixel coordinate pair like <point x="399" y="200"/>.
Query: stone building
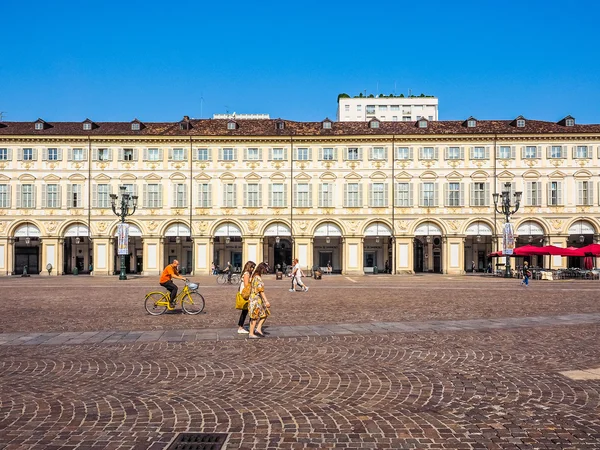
<point x="353" y="194"/>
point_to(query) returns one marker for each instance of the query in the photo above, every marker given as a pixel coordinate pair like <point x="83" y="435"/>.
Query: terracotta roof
<point x="267" y="127"/>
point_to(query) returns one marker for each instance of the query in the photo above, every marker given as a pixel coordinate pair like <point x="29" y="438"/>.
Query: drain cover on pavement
<point x="198" y="441"/>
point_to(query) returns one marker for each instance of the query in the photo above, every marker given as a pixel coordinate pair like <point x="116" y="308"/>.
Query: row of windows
<point x="300" y="154"/>
<point x="152" y="197"/>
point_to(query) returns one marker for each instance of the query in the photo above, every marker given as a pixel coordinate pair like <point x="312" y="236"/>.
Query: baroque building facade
<point x="411" y="196"/>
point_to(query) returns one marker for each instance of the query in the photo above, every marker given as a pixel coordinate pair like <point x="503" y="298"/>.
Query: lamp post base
<point x="122" y="277"/>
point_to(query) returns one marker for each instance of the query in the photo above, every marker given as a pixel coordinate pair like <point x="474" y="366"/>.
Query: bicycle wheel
<point x="193" y="303"/>
<point x="156" y="303"/>
<point x="235" y="279"/>
<point x="222" y="279"/>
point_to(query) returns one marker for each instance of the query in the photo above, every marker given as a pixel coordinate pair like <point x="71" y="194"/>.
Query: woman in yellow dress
<point x="258" y="308"/>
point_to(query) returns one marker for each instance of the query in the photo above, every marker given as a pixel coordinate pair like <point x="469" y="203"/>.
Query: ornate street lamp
<point x="507" y="210"/>
<point x="328" y="240"/>
<point x="124" y="207"/>
<point x="581" y="239"/>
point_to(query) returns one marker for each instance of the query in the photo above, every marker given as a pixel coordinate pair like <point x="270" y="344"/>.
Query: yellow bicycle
<point x="192" y="301"/>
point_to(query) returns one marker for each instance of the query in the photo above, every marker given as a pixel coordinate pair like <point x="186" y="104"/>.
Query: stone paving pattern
<point x="374" y="362"/>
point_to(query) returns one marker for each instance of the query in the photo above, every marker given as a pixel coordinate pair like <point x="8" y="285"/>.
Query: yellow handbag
<point x="240" y="302"/>
<point x="246" y="291"/>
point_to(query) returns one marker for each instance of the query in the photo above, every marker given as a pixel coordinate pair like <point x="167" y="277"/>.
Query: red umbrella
<point x="590" y="250"/>
<point x="561" y="251"/>
<point x="588" y="262"/>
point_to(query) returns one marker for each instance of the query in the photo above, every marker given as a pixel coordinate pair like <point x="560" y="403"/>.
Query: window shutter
<point x="421" y="194"/>
<point x="245" y="154"/>
<point x="461" y="194"/>
<point x="145" y="195"/>
<point x="360" y="153"/>
<point x="513" y="152"/>
<point x="209" y="195"/>
<point x="538" y="152"/>
<point x="44" y="155"/>
<point x="410" y="194"/>
<point x="446" y="153"/>
<point x="174" y="195"/>
<point x="94" y="196"/>
<point x="446" y="195"/>
<point x="385" y="194"/>
<point x="320" y="154"/>
<point x="285" y="154"/>
<point x="19" y="193"/>
<point x="19" y="154"/>
<point x="591" y="192"/>
<point x="285" y="195"/>
<point x="472" y="195"/>
<point x="549" y="193"/>
<point x="522" y="152"/>
<point x="185" y="196"/>
<point x="470" y="152"/>
<point x="224" y="202"/>
<point x="385" y="153"/>
<point x="59" y="155"/>
<point x="70" y="154"/>
<point x="270" y="154"/>
<point x="34" y="156"/>
<point x="370" y="195"/>
<point x="270" y="195"/>
<point x="160" y="196"/>
<point x="44" y="194"/>
<point x="435" y="195"/>
<point x="121" y="154"/>
<point x="85" y="154"/>
<point x="295" y="155"/>
<point x="220" y="154"/>
<point x="195" y="154"/>
<point x="370" y="154"/>
<point x="539" y="193"/>
<point x="310" y="195"/>
<point x="346" y="195"/>
<point x="94" y="154"/>
<point x="145" y="154"/>
<point x="487" y="152"/>
<point x="69" y="195"/>
<point x="8" y="196"/>
<point x="245" y="190"/>
<point x="548" y="151"/>
<point x="9" y="154"/>
<point x="170" y="154"/>
<point x="310" y="154"/>
<point x="34" y="196"/>
<point x="486" y="194"/>
<point x="135" y="154"/>
<point x="360" y="195"/>
<point x="529" y="193"/>
<point x="321" y="203"/>
<point x="260" y="195"/>
<point x="295" y="196"/>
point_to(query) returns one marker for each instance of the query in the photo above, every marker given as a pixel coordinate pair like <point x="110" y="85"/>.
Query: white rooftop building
<point x="241" y="116"/>
<point x="387" y="109"/>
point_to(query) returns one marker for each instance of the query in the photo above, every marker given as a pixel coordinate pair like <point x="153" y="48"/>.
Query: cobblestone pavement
<point x="367" y="362"/>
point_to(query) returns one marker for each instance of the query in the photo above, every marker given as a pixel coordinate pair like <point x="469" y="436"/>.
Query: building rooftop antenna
<point x="2" y="114"/>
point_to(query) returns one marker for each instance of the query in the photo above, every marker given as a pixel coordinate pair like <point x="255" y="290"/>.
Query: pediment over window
<point x="404" y="175"/>
<point x="127" y="177"/>
<point x="102" y="177"/>
<point x="353" y="176"/>
<point x="227" y="176"/>
<point x="177" y="176"/>
<point x="531" y="174"/>
<point x="26" y="177"/>
<point x="253" y="176"/>
<point x="77" y="177"/>
<point x="152" y="177"/>
<point x="4" y="178"/>
<point x="277" y="176"/>
<point x="480" y="174"/>
<point x="428" y="175"/>
<point x="557" y="174"/>
<point x="505" y="174"/>
<point x="303" y="177"/>
<point x="203" y="177"/>
<point x="583" y="174"/>
<point x="51" y="178"/>
<point x="328" y="176"/>
<point x="455" y="175"/>
<point x="378" y="175"/>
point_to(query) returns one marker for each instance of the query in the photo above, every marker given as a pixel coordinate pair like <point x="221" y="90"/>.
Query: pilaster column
<point x="404" y="254"/>
<point x="103" y="256"/>
<point x="50" y="252"/>
<point x="203" y="252"/>
<point x="352" y="263"/>
<point x="558" y="262"/>
<point x="153" y="252"/>
<point x="303" y="251"/>
<point x="252" y="250"/>
<point x="454" y="255"/>
<point x="5" y="252"/>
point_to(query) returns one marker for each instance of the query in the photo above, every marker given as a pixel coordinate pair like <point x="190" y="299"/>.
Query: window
<point x="128" y="154"/>
<point x="374" y="124"/>
<point x="278" y="154"/>
<point x="378" y="196"/>
<point x="129" y="189"/>
<point x="346" y="107"/>
<point x="103" y="154"/>
<point x="204" y="195"/>
<point x="178" y="154"/>
<point x="326" y="195"/>
<point x="520" y="123"/>
<point x="135" y="126"/>
<point x="328" y="154"/>
<point x="202" y="154"/>
<point x="383" y="108"/>
<point x="252" y="196"/>
<point x="471" y="123"/>
<point x="302" y="196"/>
<point x="280" y="125"/>
<point x="87" y="126"/>
<point x="50" y="196"/>
<point x="3" y="154"/>
<point x="454" y="153"/>
<point x="556" y="151"/>
<point x="422" y="124"/>
<point x="505" y="152"/>
<point x="39" y="126"/>
<point x="103" y="196"/>
<point x="359" y="107"/>
<point x="78" y="154"/>
<point x="27" y="154"/>
<point x="252" y="154"/>
<point x="555" y="193"/>
<point x="428" y="153"/>
<point x="228" y="154"/>
<point x="4" y="196"/>
<point x="353" y="199"/>
<point x="478" y="153"/>
<point x="352" y="154"/>
<point x="581" y="151"/>
<point x="154" y="154"/>
<point x="277" y="199"/>
<point x="453" y="194"/>
<point x="403" y="195"/>
<point x="229" y="195"/>
<point x="327" y="125"/>
<point x="52" y="154"/>
<point x="406" y="118"/>
<point x="179" y="195"/>
<point x="479" y="194"/>
<point x="530" y="152"/>
<point x="153" y="196"/>
<point x="394" y="118"/>
<point x="302" y="154"/>
<point x="394" y="107"/>
<point x="378" y="153"/>
<point x="74" y="197"/>
<point x="585" y="193"/>
<point x="570" y="122"/>
<point x="27" y="195"/>
<point x="403" y="153"/>
<point x="428" y="197"/>
<point x="534" y="193"/>
<point x="231" y="125"/>
<point x="370" y="109"/>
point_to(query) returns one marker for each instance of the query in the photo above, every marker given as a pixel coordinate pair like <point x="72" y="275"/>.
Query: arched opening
<point x="428" y="248"/>
<point x="228" y="247"/>
<point x="478" y="245"/>
<point x="134" y="253"/>
<point x="581" y="233"/>
<point x="178" y="246"/>
<point x="27" y="249"/>
<point x="327" y="247"/>
<point x="278" y="246"/>
<point x="530" y="233"/>
<point x="377" y="248"/>
<point x="77" y="252"/>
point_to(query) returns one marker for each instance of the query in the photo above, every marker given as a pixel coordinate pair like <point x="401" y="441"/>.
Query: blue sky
<point x="158" y="61"/>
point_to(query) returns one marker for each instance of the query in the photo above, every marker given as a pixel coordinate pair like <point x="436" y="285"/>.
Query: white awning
<point x="77" y="231"/>
<point x="530" y="228"/>
<point x="328" y="229"/>
<point x="428" y="229"/>
<point x="228" y="229"/>
<point x="178" y="229"/>
<point x="27" y="230"/>
<point x="278" y="229"/>
<point x="479" y="229"/>
<point x="581" y="227"/>
<point x="378" y="229"/>
<point x="133" y="231"/>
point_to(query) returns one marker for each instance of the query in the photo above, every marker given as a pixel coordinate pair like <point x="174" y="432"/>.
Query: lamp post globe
<point x="123" y="205"/>
<point x="503" y="206"/>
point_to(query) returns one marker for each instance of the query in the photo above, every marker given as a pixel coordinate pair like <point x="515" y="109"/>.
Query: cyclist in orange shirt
<point x="166" y="279"/>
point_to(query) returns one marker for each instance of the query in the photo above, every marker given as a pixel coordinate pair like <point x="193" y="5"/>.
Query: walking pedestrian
<point x="248" y="269"/>
<point x="297" y="275"/>
<point x="526" y="274"/>
<point x="259" y="305"/>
